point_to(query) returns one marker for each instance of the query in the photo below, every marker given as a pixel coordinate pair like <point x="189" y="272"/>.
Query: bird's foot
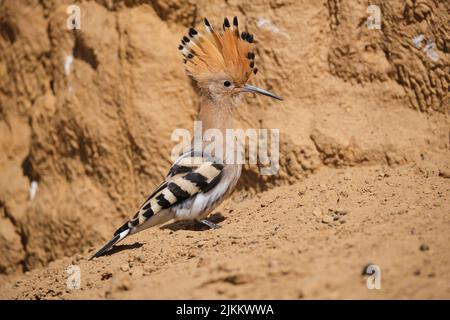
<point x="210" y="224"/>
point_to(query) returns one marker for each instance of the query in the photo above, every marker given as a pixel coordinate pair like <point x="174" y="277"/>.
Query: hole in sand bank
<point x="83" y="52"/>
<point x="8" y="32"/>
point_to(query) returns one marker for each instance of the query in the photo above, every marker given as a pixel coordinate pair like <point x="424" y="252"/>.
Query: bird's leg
<point x="209" y="224"/>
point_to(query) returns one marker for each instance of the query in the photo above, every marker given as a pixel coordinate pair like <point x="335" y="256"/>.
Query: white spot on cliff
<point x="68" y="63"/>
<point x="429" y="48"/>
<point x="417" y="40"/>
<point x="33" y="189"/>
<point x="266" y="24"/>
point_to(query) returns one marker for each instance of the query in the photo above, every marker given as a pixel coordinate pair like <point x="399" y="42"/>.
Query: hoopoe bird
<point x="221" y="63"/>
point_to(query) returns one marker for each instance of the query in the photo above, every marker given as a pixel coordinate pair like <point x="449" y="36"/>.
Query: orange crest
<point x="215" y="55"/>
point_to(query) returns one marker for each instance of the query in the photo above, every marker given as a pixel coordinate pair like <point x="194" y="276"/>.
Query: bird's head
<point x="222" y="63"/>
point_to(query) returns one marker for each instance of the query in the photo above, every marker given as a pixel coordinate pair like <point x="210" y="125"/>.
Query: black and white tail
<point x="118" y="237"/>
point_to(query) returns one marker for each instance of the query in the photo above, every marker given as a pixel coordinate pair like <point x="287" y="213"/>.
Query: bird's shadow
<point x="175" y="226"/>
<point x="120" y="247"/>
<point x="194" y="225"/>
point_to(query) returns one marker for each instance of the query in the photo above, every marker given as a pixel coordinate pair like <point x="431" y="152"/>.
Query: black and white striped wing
<point x="187" y="177"/>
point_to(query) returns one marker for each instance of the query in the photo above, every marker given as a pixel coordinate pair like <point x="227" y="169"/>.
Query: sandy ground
<point x="309" y="240"/>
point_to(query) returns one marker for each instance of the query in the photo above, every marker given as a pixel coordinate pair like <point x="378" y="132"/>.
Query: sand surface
<point x="309" y="240"/>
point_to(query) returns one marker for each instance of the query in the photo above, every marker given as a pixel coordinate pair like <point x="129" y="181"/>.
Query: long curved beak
<point x="250" y="88"/>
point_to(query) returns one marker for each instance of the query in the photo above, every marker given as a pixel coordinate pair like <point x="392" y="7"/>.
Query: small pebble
<point x="341" y="211"/>
<point x="317" y="212"/>
<point x="444" y="173"/>
<point x="106" y="276"/>
<point x="139" y="258"/>
<point x="327" y="219"/>
<point x="302" y="191"/>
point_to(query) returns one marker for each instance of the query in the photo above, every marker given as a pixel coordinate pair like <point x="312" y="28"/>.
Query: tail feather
<point x="118" y="237"/>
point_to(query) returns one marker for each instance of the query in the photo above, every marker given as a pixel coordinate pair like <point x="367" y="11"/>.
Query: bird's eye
<point x="227" y="83"/>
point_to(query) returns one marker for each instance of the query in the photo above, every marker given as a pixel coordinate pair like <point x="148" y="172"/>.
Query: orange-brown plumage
<point x="219" y="54"/>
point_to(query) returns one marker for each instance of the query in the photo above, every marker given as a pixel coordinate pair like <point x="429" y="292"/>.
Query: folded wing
<point x="187" y="177"/>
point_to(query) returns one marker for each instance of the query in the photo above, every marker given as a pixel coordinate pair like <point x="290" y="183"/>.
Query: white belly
<point x="199" y="206"/>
